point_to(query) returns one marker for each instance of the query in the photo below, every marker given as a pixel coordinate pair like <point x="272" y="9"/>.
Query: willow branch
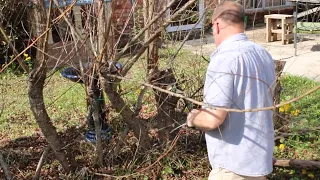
<point x="217" y="108"/>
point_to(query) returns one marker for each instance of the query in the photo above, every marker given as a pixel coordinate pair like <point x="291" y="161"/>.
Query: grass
<point x="66" y="106"/>
<point x="65" y="102"/>
<point x="309" y="106"/>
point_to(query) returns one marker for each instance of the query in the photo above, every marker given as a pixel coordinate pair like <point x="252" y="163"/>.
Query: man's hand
<point x="191" y="116"/>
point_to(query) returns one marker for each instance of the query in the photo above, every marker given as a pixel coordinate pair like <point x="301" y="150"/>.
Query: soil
<point x="23" y="154"/>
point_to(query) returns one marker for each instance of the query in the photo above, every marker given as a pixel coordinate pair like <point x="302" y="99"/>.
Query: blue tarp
<point x="63" y="3"/>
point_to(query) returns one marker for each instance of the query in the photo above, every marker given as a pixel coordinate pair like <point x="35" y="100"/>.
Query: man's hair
<point x="229" y="11"/>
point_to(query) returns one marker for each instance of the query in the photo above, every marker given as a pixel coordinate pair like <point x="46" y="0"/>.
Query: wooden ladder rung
<point x="277" y="31"/>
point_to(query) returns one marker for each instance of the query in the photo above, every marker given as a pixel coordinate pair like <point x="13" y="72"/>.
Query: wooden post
<point x="284" y="31"/>
<point x="274" y="27"/>
<point x="78" y="19"/>
<point x="290" y="33"/>
<point x="268" y="27"/>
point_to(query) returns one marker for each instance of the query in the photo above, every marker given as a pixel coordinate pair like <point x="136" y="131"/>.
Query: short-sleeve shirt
<point x="241" y="76"/>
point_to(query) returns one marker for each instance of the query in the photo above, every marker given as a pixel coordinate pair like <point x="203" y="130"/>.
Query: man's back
<point x="241" y="76"/>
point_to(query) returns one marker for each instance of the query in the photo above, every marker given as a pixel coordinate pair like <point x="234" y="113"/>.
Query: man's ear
<point x="215" y="28"/>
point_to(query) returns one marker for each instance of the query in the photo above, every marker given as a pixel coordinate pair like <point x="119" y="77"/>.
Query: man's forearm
<point x="208" y="119"/>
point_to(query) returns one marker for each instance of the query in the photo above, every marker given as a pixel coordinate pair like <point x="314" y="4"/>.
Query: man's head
<point x="227" y="20"/>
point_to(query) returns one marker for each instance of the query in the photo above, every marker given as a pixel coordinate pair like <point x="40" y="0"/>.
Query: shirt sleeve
<point x="219" y="83"/>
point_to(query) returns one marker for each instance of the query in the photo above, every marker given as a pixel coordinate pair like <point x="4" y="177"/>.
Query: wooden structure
<point x="286" y="29"/>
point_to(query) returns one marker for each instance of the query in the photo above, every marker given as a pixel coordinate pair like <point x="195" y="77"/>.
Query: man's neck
<point x="229" y="34"/>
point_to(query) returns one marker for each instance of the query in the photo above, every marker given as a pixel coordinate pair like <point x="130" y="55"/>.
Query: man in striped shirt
<point x="240" y="76"/>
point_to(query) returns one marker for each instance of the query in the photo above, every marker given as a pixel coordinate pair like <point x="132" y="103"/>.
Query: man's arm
<point x="218" y="92"/>
<point x="206" y="119"/>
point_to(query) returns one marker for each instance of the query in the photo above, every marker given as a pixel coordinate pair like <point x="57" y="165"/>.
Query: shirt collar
<point x="236" y="37"/>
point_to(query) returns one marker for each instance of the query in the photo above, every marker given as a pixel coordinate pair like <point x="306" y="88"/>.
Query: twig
<point x="184" y="41"/>
<point x="130" y="62"/>
<point x="20" y="60"/>
<point x="217" y="108"/>
<point x="119" y="55"/>
<point x="139" y="101"/>
<point x="5" y="167"/>
<point x="120" y="142"/>
<point x="180" y="126"/>
<point x="40" y="163"/>
<point x="174" y="142"/>
<point x="39" y="37"/>
<point x="205" y="59"/>
<point x="135" y="153"/>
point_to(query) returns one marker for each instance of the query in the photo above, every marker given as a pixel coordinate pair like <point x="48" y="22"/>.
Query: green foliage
<point x="301" y="115"/>
<point x="309" y="106"/>
<point x="167" y="170"/>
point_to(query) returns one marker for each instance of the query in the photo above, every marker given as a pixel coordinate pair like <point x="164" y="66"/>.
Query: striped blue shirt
<point x="241" y="75"/>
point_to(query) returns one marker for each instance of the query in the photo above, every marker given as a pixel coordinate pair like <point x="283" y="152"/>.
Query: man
<point x="74" y="75"/>
<point x="240" y="75"/>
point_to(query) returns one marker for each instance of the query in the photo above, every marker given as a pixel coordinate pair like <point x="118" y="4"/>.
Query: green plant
<point x="306" y="111"/>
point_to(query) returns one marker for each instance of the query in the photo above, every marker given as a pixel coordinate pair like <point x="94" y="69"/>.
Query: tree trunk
<point x="36" y="84"/>
<point x="102" y="39"/>
<point x="166" y="104"/>
<point x="93" y="90"/>
<point x="117" y="102"/>
<point x="279" y="65"/>
<point x="146" y="21"/>
<point x="169" y="112"/>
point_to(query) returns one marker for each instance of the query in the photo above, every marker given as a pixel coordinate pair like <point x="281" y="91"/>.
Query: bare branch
<point x="40" y="163"/>
<point x="20" y="60"/>
<point x="38" y="37"/>
<point x="130" y="63"/>
<point x="161" y="13"/>
<point x="217" y="108"/>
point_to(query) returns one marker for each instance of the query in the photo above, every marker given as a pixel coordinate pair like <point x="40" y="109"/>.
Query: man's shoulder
<point x="238" y="47"/>
<point x="245" y="48"/>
